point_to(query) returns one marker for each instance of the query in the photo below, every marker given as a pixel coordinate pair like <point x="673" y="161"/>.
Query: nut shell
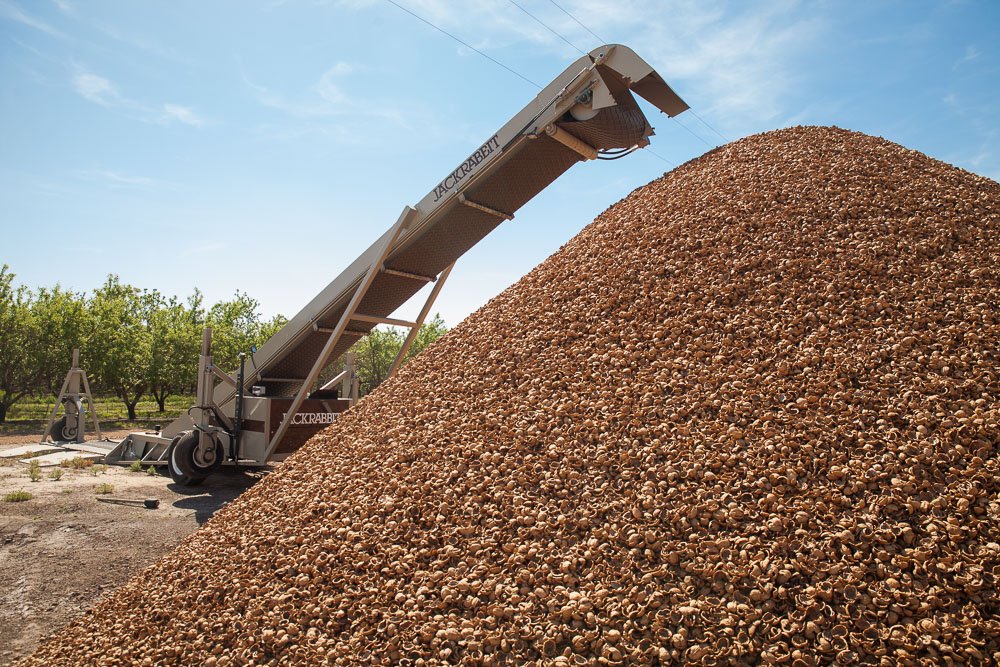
<point x="749" y="415"/>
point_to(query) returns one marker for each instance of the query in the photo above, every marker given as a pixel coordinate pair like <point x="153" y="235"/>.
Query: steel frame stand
<point x="350" y="314"/>
<point x="72" y="399"/>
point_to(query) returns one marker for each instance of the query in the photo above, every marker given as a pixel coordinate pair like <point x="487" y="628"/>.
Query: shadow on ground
<point x="215" y="492"/>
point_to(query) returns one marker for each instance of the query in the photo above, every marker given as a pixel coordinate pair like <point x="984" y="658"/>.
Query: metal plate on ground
<point x="49" y="460"/>
<point x="35" y="448"/>
<point x="101" y="447"/>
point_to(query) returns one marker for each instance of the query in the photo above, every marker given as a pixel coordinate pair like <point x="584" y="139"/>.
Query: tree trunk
<point x="8" y="402"/>
<point x="161" y="399"/>
<point x="130" y="401"/>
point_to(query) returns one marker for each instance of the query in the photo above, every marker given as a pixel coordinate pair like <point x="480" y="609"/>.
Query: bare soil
<point x="23" y="436"/>
<point x="63" y="549"/>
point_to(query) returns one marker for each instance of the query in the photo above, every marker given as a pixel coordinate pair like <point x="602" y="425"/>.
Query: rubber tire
<point x="178" y="470"/>
<point x="59" y="432"/>
<point x="181" y="463"/>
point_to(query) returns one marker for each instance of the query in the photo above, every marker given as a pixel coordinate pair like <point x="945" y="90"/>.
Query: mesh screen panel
<point x="523" y="171"/>
<point x="523" y="174"/>
<point x="620" y="126"/>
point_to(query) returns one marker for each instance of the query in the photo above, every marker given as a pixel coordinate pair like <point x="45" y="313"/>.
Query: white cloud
<point x="971" y="53"/>
<point x="100" y="90"/>
<point x="12" y="12"/>
<point x="119" y="180"/>
<point x="738" y="65"/>
<point x="97" y="89"/>
<point x="323" y="99"/>
<point x="65" y="6"/>
<point x="181" y="114"/>
<point x="737" y="61"/>
<point x="141" y="43"/>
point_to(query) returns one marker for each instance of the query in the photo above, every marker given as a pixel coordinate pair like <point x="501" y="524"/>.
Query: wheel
<point x="185" y="465"/>
<point x="180" y="471"/>
<point x="61" y="432"/>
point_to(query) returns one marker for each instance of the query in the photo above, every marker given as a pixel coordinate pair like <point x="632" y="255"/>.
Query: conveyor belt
<point x="587" y="108"/>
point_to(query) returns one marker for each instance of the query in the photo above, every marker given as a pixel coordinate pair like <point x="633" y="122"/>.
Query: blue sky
<point x="262" y="146"/>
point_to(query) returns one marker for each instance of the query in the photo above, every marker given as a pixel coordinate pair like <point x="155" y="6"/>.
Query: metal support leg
<point x="348" y="379"/>
<point x="55" y="409"/>
<point x="412" y="336"/>
<point x="93" y="406"/>
<point x="206" y="388"/>
<point x="321" y="360"/>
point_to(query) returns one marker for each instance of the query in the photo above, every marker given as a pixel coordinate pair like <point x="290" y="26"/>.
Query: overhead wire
<point x="698" y="136"/>
<point x="546" y="26"/>
<point x="604" y="155"/>
<point x="706" y="124"/>
<point x="524" y="78"/>
<point x="577" y="21"/>
<point x="694" y="134"/>
<point x="464" y="43"/>
<point x="655" y="154"/>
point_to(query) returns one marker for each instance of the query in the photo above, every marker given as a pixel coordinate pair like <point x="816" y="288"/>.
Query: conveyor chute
<point x="586" y="111"/>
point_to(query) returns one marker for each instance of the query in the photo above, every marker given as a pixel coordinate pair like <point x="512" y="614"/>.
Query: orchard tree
<point x="374" y="355"/>
<point x="62" y="319"/>
<point x="426" y="334"/>
<point x="175" y="342"/>
<point x="120" y="341"/>
<point x="236" y="327"/>
<point x="375" y="352"/>
<point x="18" y="376"/>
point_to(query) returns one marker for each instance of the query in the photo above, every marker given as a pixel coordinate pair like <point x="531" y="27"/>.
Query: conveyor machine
<point x="264" y="413"/>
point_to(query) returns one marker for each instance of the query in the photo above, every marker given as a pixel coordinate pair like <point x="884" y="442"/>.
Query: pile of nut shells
<point x="749" y="415"/>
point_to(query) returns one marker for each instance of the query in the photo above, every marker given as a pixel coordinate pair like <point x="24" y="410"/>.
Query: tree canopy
<point x="138" y="342"/>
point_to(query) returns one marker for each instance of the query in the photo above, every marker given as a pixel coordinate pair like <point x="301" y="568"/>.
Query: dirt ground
<point x="63" y="549"/>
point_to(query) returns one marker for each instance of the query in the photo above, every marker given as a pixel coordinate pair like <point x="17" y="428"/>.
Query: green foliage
<point x="18" y="327"/>
<point x="427" y="334"/>
<point x="56" y="474"/>
<point x="175" y="331"/>
<point x="17" y="497"/>
<point x="135" y="466"/>
<point x="151" y="471"/>
<point x="375" y="352"/>
<point x="133" y="342"/>
<point x="63" y="323"/>
<point x="119" y="340"/>
<point x="236" y="327"/>
<point x="104" y="489"/>
<point x="109" y="409"/>
<point x="34" y="471"/>
<point x="98" y="469"/>
<point x="136" y="343"/>
<point x="374" y="355"/>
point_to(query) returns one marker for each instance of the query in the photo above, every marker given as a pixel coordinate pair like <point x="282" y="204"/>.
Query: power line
<point x="544" y="25"/>
<point x="538" y="20"/>
<point x="598" y="37"/>
<point x="651" y="151"/>
<point x="693" y="112"/>
<point x="521" y="76"/>
<point x="577" y="21"/>
<point x="705" y="123"/>
<point x="692" y="133"/>
<point x="463" y="43"/>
